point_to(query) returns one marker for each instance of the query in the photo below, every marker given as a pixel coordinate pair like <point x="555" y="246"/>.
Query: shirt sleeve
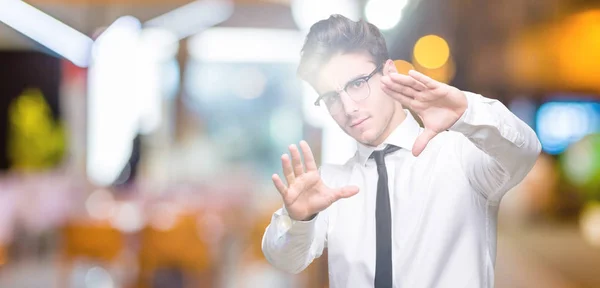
<point x="501" y="149"/>
<point x="291" y="245"/>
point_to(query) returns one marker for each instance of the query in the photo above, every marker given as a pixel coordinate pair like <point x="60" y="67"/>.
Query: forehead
<point x="342" y="68"/>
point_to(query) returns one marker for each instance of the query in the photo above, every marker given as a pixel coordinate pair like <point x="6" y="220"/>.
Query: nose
<point x="349" y="105"/>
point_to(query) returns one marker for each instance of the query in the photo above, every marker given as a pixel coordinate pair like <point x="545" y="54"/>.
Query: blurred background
<point x="138" y="137"/>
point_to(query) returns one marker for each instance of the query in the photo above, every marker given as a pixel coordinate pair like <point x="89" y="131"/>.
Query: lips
<point x="358" y="122"/>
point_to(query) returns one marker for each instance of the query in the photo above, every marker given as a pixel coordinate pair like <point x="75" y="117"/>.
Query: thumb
<point x="422" y="141"/>
<point x="346" y="192"/>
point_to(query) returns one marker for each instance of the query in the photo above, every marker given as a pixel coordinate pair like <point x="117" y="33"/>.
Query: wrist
<point x="463" y="103"/>
<point x="299" y="219"/>
<point x="462" y="112"/>
<point x="309" y="218"/>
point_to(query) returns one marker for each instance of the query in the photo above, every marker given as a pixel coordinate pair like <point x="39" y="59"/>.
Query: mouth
<point x="358" y="122"/>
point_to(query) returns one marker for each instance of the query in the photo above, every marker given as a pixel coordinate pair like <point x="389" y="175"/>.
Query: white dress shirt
<point x="444" y="205"/>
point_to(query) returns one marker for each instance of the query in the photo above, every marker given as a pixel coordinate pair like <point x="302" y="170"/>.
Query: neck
<point x="396" y="119"/>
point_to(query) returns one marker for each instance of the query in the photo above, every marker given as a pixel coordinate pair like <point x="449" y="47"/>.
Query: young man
<point x="415" y="207"/>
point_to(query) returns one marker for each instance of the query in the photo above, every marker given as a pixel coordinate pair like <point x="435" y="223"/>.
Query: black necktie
<point x="383" y="222"/>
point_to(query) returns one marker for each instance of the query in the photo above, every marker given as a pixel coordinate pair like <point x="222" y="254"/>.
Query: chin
<point x="367" y="137"/>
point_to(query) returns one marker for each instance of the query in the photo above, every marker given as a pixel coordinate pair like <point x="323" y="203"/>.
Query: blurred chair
<point x="179" y="249"/>
<point x="97" y="241"/>
<point x="257" y="230"/>
<point x="317" y="273"/>
<point x="3" y="256"/>
<point x="254" y="261"/>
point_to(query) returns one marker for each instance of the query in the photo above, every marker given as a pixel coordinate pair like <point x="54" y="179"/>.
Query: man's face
<point x="366" y="120"/>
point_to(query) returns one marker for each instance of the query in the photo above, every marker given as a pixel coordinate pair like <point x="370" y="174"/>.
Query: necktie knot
<point x="380" y="154"/>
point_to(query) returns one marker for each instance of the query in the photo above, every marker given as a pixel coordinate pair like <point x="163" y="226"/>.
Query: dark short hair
<point x="336" y="35"/>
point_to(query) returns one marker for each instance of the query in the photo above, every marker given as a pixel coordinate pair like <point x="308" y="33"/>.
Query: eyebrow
<point x="348" y="82"/>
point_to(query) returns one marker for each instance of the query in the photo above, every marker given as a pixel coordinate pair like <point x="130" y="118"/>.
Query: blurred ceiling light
<point x="308" y="12"/>
<point x="385" y="14"/>
<point x="113" y="117"/>
<point x="193" y="17"/>
<point x="126" y="28"/>
<point x="125" y="93"/>
<point x="156" y="47"/>
<point x="158" y="43"/>
<point x="46" y="30"/>
<point x="431" y="51"/>
<point x="246" y="45"/>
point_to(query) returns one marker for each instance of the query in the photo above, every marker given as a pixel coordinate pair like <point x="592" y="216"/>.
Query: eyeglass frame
<point x="365" y="78"/>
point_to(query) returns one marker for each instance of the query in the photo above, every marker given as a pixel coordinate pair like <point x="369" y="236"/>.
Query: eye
<point x="329" y="99"/>
<point x="357" y="84"/>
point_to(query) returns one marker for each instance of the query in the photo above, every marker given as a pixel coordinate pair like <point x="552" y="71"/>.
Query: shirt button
<point x="284" y="223"/>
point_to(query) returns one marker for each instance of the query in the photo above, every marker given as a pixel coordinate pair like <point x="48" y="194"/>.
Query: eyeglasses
<point x="357" y="89"/>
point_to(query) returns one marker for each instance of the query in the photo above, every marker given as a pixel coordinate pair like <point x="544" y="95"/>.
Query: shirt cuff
<point x="285" y="224"/>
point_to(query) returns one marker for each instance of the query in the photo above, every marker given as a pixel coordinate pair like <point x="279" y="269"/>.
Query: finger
<point x="398" y="87"/>
<point x="426" y="80"/>
<point x="296" y="161"/>
<point x="422" y="141"/>
<point x="279" y="185"/>
<point x="346" y="192"/>
<point x="407" y="81"/>
<point x="403" y="99"/>
<point x="309" y="159"/>
<point x="288" y="172"/>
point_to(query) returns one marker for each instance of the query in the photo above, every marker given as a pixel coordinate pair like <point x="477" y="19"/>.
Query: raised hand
<point x="305" y="193"/>
<point x="439" y="105"/>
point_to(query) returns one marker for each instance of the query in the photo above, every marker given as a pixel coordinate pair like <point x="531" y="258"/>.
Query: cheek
<point x="382" y="110"/>
<point x="340" y="119"/>
<point x="381" y="104"/>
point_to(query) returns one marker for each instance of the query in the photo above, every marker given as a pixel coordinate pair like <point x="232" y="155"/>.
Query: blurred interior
<point x="138" y="137"/>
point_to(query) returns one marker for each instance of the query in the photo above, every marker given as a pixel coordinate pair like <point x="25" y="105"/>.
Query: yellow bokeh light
<point x="589" y="221"/>
<point x="431" y="52"/>
<point x="561" y="55"/>
<point x="403" y="66"/>
<point x="444" y="73"/>
<point x="578" y="48"/>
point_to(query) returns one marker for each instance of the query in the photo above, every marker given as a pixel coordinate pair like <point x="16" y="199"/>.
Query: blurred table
<point x="547" y="255"/>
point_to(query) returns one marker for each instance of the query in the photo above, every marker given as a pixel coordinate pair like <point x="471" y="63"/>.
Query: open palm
<point x="439" y="105"/>
<point x="306" y="194"/>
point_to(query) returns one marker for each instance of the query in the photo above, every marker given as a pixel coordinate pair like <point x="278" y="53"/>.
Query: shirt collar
<point x="403" y="136"/>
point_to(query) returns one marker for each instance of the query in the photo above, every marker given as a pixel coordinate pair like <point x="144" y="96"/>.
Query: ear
<point x="389" y="67"/>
